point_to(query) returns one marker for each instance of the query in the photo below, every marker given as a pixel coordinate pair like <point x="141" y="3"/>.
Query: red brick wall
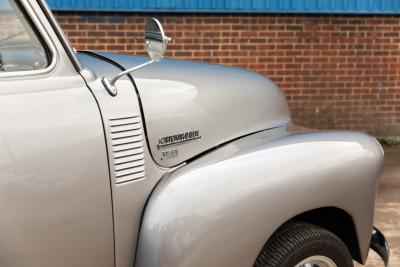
<point x="336" y="71"/>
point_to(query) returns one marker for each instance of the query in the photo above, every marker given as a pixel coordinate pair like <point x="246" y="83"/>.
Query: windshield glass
<point x="20" y="47"/>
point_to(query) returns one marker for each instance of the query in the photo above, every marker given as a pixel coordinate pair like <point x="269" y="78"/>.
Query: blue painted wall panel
<point x="233" y="6"/>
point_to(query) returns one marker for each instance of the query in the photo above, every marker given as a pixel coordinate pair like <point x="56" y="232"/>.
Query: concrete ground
<point x="387" y="216"/>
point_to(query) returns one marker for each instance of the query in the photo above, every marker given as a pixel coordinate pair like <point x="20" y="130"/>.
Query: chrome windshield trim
<point x="61" y="35"/>
<point x="42" y="32"/>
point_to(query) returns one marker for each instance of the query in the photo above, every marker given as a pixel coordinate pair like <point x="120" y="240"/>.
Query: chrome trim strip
<point x="61" y="35"/>
<point x="380" y="245"/>
<point x="53" y="52"/>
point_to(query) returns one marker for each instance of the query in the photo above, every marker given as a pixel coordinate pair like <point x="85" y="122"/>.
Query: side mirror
<point x="156" y="40"/>
<point x="156" y="45"/>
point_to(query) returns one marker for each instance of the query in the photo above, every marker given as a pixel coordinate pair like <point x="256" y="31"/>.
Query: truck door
<point x="55" y="199"/>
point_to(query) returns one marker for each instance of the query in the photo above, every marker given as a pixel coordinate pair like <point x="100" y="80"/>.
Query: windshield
<point x="20" y="47"/>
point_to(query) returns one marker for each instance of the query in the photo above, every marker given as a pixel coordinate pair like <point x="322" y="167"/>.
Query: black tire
<point x="297" y="241"/>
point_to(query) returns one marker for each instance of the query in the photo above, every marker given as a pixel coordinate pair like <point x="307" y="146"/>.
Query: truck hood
<point x="190" y="107"/>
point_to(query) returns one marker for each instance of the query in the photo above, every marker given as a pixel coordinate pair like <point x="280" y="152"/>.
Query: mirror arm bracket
<point x="156" y="44"/>
<point x="110" y="84"/>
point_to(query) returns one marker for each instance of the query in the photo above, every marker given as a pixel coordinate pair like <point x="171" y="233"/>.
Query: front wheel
<point x="304" y="245"/>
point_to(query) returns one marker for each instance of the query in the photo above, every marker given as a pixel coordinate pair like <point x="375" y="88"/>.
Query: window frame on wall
<point x="40" y="33"/>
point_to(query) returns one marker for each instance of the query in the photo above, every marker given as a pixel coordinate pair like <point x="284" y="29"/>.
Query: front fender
<point x="221" y="209"/>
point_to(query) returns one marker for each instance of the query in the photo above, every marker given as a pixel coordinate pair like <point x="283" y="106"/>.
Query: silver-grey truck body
<point x="187" y="165"/>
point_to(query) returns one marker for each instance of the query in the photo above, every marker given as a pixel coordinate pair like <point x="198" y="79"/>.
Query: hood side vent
<point x="127" y="148"/>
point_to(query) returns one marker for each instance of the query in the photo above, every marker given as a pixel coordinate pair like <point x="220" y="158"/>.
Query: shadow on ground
<point x="387" y="213"/>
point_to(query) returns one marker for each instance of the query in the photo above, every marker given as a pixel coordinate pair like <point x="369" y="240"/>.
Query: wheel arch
<point x="337" y="221"/>
<point x="333" y="219"/>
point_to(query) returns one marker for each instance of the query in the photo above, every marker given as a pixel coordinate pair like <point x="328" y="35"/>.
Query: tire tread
<point x="288" y="238"/>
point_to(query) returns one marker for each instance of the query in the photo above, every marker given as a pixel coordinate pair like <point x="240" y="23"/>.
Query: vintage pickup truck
<point x="180" y="164"/>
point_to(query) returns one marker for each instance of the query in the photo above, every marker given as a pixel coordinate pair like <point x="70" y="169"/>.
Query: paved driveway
<point x="387" y="216"/>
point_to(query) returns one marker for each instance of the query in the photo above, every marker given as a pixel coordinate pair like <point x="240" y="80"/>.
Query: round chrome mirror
<point x="156" y="44"/>
<point x="156" y="40"/>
